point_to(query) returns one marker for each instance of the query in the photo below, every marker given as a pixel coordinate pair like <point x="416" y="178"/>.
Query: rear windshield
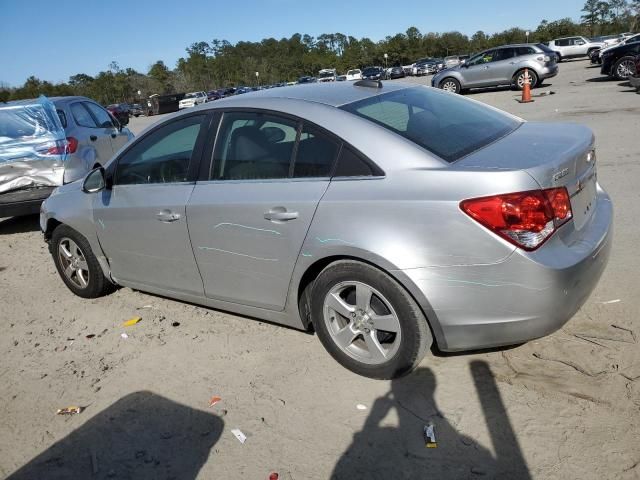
<point x="24" y="122"/>
<point x="544" y="48"/>
<point x="447" y="125"/>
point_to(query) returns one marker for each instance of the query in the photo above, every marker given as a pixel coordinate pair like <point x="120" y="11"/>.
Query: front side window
<point x="82" y="116"/>
<point x="503" y="54"/>
<point x="100" y="114"/>
<point x="447" y="125"/>
<point x="253" y="146"/>
<point x="163" y="156"/>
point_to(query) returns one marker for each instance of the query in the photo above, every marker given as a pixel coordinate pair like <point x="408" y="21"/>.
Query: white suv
<point x="192" y="99"/>
<point x="573" y="47"/>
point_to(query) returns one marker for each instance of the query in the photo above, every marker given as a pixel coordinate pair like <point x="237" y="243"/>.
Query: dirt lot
<point x="566" y="406"/>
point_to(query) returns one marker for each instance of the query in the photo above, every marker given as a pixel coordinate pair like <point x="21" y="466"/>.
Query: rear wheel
<point x="450" y="85"/>
<point x="77" y="265"/>
<point x="367" y="321"/>
<point x="518" y="80"/>
<point x="624" y="68"/>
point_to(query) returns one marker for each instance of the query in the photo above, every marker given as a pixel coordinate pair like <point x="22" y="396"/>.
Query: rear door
<point x="250" y="213"/>
<point x="92" y="134"/>
<point x="141" y="221"/>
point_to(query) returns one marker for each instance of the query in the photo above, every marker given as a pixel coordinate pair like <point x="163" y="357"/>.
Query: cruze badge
<point x="562" y="173"/>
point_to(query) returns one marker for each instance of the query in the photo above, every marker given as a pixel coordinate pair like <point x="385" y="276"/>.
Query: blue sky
<point x="55" y="39"/>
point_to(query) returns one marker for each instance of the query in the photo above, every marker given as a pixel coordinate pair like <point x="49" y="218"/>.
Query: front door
<point x="141" y="221"/>
<point x="248" y="221"/>
<point x="477" y="71"/>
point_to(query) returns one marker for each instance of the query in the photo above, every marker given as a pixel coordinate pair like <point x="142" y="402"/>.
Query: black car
<point x="135" y="110"/>
<point x="120" y="111"/>
<point x="619" y="62"/>
<point x="396" y="72"/>
<point x="307" y="80"/>
<point x="374" y="73"/>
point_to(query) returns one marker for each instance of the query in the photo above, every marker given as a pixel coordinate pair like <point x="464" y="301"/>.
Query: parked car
<point x="47" y="142"/>
<point x="574" y="47"/>
<point x="454" y="60"/>
<point x="396" y="72"/>
<point x="354" y="74"/>
<point x="596" y="55"/>
<point x="503" y="65"/>
<point x="384" y="219"/>
<point x="426" y="66"/>
<point x="120" y="111"/>
<point x="214" y="95"/>
<point x="307" y="79"/>
<point x="135" y="110"/>
<point x="619" y="62"/>
<point x="374" y="73"/>
<point x="634" y="80"/>
<point x="192" y="99"/>
<point x="341" y="78"/>
<point x="327" y="75"/>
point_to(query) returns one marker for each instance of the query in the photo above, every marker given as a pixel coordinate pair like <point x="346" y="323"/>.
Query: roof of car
<point x="332" y="94"/>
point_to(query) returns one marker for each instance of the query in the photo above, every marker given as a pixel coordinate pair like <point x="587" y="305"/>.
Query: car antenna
<point x="368" y="83"/>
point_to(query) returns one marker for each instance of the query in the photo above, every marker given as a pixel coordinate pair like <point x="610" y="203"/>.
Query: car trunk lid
<point x="554" y="155"/>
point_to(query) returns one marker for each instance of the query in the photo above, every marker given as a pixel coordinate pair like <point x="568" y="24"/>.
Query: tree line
<point x="217" y="64"/>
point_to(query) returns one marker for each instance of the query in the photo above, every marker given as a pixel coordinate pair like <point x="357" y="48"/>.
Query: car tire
<point x="624" y="68"/>
<point x="450" y="84"/>
<point x="77" y="265"/>
<point x="559" y="58"/>
<point x="350" y="300"/>
<point x="518" y="79"/>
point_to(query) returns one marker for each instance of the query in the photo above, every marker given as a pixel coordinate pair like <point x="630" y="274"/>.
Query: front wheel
<point x="367" y="321"/>
<point x="450" y="85"/>
<point x="77" y="265"/>
<point x="624" y="68"/>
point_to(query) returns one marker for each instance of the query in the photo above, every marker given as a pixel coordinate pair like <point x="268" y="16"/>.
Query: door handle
<point x="167" y="216"/>
<point x="280" y="214"/>
<point x="93" y="138"/>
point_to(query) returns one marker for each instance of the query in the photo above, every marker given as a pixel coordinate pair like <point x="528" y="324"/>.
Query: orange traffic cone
<point x="526" y="88"/>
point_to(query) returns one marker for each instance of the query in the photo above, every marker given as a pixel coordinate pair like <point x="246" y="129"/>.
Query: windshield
<point x="326" y="74"/>
<point x="353" y="72"/>
<point x="190" y="95"/>
<point x="447" y="125"/>
<point x="544" y="48"/>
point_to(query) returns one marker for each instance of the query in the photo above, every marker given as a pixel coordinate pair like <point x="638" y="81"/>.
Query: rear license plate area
<point x="583" y="202"/>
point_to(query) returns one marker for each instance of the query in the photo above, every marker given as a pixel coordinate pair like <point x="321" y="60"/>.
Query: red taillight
<point x="526" y="219"/>
<point x="62" y="147"/>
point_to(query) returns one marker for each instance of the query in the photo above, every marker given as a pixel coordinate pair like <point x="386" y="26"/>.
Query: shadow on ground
<point x="141" y="436"/>
<point x="29" y="223"/>
<point x="382" y="451"/>
<point x="601" y="79"/>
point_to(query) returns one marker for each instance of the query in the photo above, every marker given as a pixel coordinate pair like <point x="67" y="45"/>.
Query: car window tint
<point x="101" y="115"/>
<point x="163" y="156"/>
<point x="315" y="155"/>
<point x="253" y="146"/>
<point x="63" y="117"/>
<point x="351" y="164"/>
<point x="82" y="116"/>
<point x="524" y="51"/>
<point x="447" y="125"/>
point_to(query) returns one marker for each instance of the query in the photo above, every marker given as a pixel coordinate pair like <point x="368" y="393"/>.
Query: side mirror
<point x="94" y="181"/>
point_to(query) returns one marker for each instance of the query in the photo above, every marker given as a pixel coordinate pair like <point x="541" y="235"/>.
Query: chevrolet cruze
<point x="384" y="217"/>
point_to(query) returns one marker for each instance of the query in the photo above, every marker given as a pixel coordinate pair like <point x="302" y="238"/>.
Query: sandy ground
<point x="566" y="406"/>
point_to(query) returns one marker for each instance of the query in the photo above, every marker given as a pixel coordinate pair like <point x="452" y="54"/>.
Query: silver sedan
<point x="385" y="218"/>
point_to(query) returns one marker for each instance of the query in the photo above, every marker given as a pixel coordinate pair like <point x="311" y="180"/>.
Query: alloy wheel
<point x="626" y="68"/>
<point x="74" y="264"/>
<point x="362" y="322"/>
<point x="450" y="86"/>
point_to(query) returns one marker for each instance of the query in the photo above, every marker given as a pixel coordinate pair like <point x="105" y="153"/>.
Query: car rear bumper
<point x="550" y="71"/>
<point x="526" y="296"/>
<point x="23" y="202"/>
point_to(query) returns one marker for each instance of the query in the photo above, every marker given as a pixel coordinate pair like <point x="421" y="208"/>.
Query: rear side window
<point x="352" y="164"/>
<point x="253" y="146"/>
<point x="524" y="51"/>
<point x="447" y="125"/>
<point x="316" y="154"/>
<point x="82" y="116"/>
<point x="563" y="42"/>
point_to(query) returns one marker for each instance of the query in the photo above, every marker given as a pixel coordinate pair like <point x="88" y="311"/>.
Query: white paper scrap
<point x="239" y="435"/>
